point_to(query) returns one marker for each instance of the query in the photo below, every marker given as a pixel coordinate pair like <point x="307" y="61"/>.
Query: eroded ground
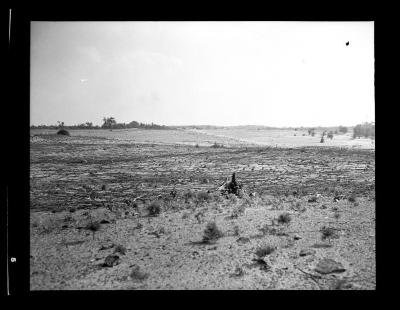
<point x="78" y="181"/>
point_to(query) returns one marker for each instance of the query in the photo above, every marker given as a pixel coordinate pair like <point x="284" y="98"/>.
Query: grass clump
<point x="154" y="208"/>
<point x="63" y="132"/>
<point x="264" y="250"/>
<point x="284" y="218"/>
<point x="93" y="226"/>
<point x="328" y="232"/>
<point x="298" y="207"/>
<point x="352" y="198"/>
<point x="312" y="199"/>
<point x="236" y="230"/>
<point x="211" y="233"/>
<point x="120" y="249"/>
<point x="188" y="195"/>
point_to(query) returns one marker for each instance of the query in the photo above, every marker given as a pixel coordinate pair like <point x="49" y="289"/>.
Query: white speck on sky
<point x="192" y="73"/>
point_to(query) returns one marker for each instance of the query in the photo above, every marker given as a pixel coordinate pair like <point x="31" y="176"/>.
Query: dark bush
<point x="154" y="208"/>
<point x="211" y="233"/>
<point x="120" y="249"/>
<point x="352" y="198"/>
<point x="63" y="132"/>
<point x="284" y="218"/>
<point x="312" y="199"/>
<point x="328" y="232"/>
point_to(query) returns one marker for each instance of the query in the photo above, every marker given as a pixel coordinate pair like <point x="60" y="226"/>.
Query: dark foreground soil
<point x="92" y="226"/>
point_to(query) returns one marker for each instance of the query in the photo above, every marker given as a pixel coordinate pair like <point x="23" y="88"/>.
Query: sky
<point x="203" y="73"/>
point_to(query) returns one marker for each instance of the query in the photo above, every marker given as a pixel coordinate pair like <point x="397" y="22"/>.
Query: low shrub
<point x="211" y="233"/>
<point x="328" y="232"/>
<point x="154" y="208"/>
<point x="120" y="249"/>
<point x="284" y="218"/>
<point x="263" y="251"/>
<point x="352" y="198"/>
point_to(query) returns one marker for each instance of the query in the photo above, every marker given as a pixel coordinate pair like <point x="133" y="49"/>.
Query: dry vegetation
<point x="138" y="213"/>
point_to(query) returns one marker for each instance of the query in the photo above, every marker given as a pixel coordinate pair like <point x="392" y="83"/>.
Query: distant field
<point x="290" y="138"/>
<point x="143" y="136"/>
<point x="227" y="137"/>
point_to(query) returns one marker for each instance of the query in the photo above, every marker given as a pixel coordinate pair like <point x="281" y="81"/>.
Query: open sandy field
<point x="128" y="209"/>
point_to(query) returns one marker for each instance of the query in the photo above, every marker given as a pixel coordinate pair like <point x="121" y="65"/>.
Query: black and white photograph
<point x="202" y="155"/>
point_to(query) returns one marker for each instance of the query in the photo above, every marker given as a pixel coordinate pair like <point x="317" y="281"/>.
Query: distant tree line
<point x="365" y="130"/>
<point x="108" y="123"/>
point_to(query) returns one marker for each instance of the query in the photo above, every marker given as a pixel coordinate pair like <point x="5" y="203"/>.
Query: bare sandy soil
<point x="89" y="232"/>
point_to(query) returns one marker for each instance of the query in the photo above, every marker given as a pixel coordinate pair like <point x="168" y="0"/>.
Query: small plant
<point x="197" y="146"/>
<point x="93" y="227"/>
<point x="330" y="135"/>
<point x="236" y="230"/>
<point x="188" y="195"/>
<point x="352" y="198"/>
<point x="340" y="284"/>
<point x="328" y="232"/>
<point x="154" y="208"/>
<point x="312" y="199"/>
<point x="211" y="233"/>
<point x="336" y="215"/>
<point x="263" y="251"/>
<point x="120" y="249"/>
<point x="68" y="218"/>
<point x="298" y="207"/>
<point x="284" y="218"/>
<point x="173" y="193"/>
<point x="205" y="181"/>
<point x="138" y="275"/>
<point x="266" y="229"/>
<point x="185" y="215"/>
